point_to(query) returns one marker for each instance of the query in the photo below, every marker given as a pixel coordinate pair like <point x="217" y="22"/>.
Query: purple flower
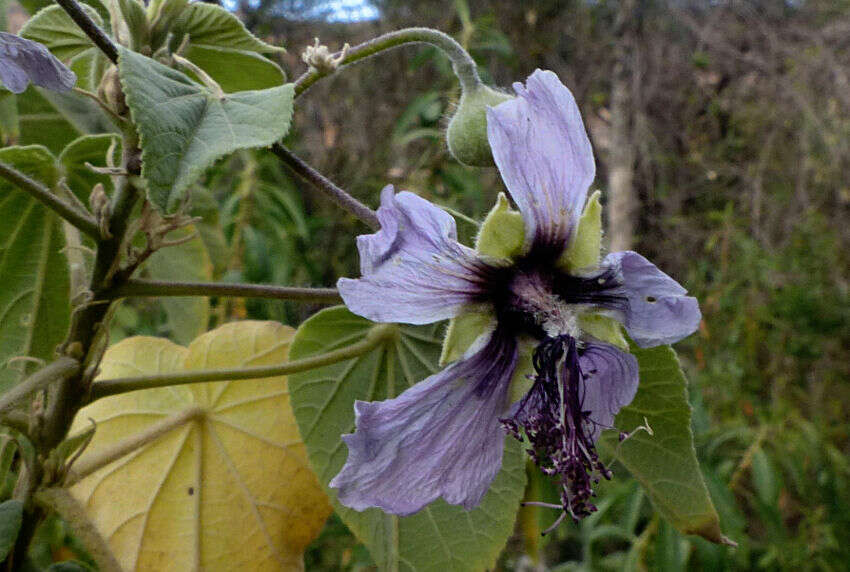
<point x="444" y="437"/>
<point x="23" y="61"/>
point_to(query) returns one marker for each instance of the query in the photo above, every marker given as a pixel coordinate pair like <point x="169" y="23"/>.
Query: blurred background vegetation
<point x="721" y="131"/>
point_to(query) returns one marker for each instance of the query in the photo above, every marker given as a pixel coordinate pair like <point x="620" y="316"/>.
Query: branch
<point x="464" y="66"/>
<point x="334" y="193"/>
<point x="108" y="387"/>
<point x="62" y="368"/>
<point x="72" y="512"/>
<point x="92" y="30"/>
<point x="82" y="221"/>
<point x="163" y="288"/>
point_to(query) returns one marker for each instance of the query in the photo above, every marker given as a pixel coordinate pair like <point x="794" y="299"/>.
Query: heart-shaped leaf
<point x="229" y="489"/>
<point x="34" y="299"/>
<point x="439" y="537"/>
<point x="185" y="126"/>
<point x="665" y="462"/>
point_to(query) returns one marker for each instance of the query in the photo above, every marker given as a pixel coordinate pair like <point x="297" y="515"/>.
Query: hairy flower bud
<point x="111" y="92"/>
<point x="467" y="132"/>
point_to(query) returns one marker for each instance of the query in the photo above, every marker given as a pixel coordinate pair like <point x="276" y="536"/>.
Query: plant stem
<point x="72" y="512"/>
<point x="330" y="190"/>
<point x="92" y="30"/>
<point x="82" y="221"/>
<point x="62" y="368"/>
<point x="108" y="387"/>
<point x="164" y="288"/>
<point x="462" y="63"/>
<point x="91" y="463"/>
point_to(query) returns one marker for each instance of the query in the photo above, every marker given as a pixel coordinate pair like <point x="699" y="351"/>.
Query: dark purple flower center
<point x="533" y="297"/>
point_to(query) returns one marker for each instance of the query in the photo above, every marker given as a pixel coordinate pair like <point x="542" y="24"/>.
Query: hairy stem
<point x="164" y="288"/>
<point x="462" y="63"/>
<point x="330" y="190"/>
<point x="88" y="464"/>
<point x="125" y="384"/>
<point x="60" y="501"/>
<point x="82" y="221"/>
<point x="62" y="368"/>
<point x="92" y="30"/>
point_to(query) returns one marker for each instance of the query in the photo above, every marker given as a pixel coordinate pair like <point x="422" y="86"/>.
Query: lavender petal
<point x="414" y="269"/>
<point x="658" y="311"/>
<point x="440" y="438"/>
<point x="23" y="61"/>
<point x="609" y="382"/>
<point x="544" y="155"/>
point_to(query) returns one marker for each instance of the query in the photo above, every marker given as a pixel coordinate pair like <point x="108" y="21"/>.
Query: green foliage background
<point x="740" y="124"/>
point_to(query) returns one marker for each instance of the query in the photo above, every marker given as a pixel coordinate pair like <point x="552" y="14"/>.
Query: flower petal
<point x="414" y="269"/>
<point x="658" y="311"/>
<point x="440" y="438"/>
<point x="545" y="158"/>
<point x="610" y="381"/>
<point x="23" y="61"/>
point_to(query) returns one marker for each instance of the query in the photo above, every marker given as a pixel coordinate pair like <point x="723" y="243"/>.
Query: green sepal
<point x="583" y="251"/>
<point x="462" y="332"/>
<point x="502" y="234"/>
<point x="604" y="329"/>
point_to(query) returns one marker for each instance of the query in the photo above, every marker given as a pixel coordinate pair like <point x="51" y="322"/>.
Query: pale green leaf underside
<point x="665" y="463"/>
<point x="211" y="25"/>
<point x="440" y="537"/>
<point x="34" y="307"/>
<point x="185" y="127"/>
<point x="187" y="317"/>
<point x="88" y="149"/>
<point x="55" y="29"/>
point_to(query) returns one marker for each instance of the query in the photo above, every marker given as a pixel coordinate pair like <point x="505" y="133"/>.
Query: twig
<point x="92" y="30"/>
<point x="334" y="193"/>
<point x="462" y="63"/>
<point x="135" y="287"/>
<point x="62" y="368"/>
<point x="82" y="221"/>
<point x="108" y="387"/>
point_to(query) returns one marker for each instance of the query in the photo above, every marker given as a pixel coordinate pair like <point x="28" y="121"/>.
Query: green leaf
<point x="236" y="70"/>
<point x="161" y="15"/>
<point x="136" y="21"/>
<point x="11" y="518"/>
<point x="56" y="119"/>
<point x="665" y="463"/>
<point x="439" y="537"/>
<point x="88" y="149"/>
<point x="10" y="127"/>
<point x="34" y="299"/>
<point x="209" y="25"/>
<point x="55" y="29"/>
<point x="185" y="126"/>
<point x="187" y="317"/>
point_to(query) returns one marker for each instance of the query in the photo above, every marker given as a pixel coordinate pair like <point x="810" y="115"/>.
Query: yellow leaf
<point x="229" y="490"/>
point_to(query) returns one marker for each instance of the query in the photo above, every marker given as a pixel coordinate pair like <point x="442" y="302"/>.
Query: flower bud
<point x="111" y="92"/>
<point x="467" y="132"/>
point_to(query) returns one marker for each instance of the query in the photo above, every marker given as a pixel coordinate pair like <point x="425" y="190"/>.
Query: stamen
<point x="559" y="431"/>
